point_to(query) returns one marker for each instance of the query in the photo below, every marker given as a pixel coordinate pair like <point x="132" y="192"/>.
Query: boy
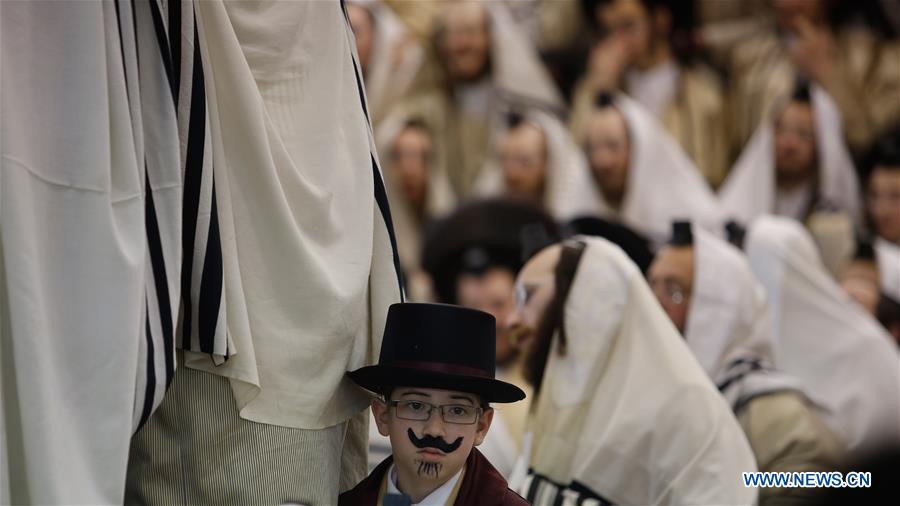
<point x="436" y="375"/>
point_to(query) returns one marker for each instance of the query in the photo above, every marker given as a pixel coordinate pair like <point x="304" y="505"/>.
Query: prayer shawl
<point x="730" y="332"/>
<point x="843" y="358"/>
<point x="566" y="167"/>
<point x="308" y="250"/>
<point x="750" y="189"/>
<point x="695" y="118"/>
<point x="481" y="485"/>
<point x="627" y="415"/>
<point x="865" y="83"/>
<point x="90" y="242"/>
<point x="663" y="184"/>
<point x="728" y="325"/>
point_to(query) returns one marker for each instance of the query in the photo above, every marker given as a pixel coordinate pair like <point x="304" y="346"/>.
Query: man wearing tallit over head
<point x="622" y="413"/>
<point x="535" y="160"/>
<point x="842" y="357"/>
<point x="797" y="165"/>
<point x="646" y="49"/>
<point x="483" y="68"/>
<point x="847" y="47"/>
<point x="638" y="174"/>
<point x="709" y="292"/>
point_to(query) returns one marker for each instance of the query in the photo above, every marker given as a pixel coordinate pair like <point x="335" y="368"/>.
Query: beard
<point x="551" y="323"/>
<point x="539" y="343"/>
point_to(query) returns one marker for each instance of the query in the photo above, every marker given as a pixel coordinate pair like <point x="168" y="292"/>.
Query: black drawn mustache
<point x="433" y="442"/>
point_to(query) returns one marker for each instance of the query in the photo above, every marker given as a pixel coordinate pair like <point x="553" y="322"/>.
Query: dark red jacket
<point x="481" y="485"/>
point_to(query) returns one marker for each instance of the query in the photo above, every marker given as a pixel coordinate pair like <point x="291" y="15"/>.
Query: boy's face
<point x="431" y="450"/>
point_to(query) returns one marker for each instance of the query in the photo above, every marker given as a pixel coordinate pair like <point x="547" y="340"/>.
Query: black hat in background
<point x="636" y="246"/>
<point x="682" y="234"/>
<point x="485" y="234"/>
<point x="735" y="234"/>
<point x="438" y="346"/>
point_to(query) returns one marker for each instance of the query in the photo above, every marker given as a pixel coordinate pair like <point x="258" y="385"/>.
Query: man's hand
<point x="813" y="52"/>
<point x="606" y="64"/>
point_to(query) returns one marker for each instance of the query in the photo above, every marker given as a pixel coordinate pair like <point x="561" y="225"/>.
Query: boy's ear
<point x="380" y="411"/>
<point x="484" y="423"/>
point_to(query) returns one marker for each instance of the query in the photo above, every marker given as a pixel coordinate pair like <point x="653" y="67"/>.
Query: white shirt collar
<point x="654" y="88"/>
<point x="438" y="498"/>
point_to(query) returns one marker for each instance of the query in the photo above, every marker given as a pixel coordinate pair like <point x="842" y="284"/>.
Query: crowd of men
<point x="766" y="133"/>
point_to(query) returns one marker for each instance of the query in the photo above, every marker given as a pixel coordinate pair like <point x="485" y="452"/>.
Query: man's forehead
<point x="541" y="265"/>
<point x="673" y="260"/>
<point x="465" y="14"/>
<point x="608" y="121"/>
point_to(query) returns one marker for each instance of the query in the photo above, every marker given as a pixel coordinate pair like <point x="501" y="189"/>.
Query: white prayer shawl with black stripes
<point x="201" y="313"/>
<point x="844" y="359"/>
<point x="626" y="415"/>
<point x="728" y="324"/>
<point x="90" y="191"/>
<point x="307" y="248"/>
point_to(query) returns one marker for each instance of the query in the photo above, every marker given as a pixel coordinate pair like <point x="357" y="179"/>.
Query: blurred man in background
<point x="646" y="49"/>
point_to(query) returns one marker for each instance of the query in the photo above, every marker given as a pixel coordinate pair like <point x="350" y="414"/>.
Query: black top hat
<point x="438" y="346"/>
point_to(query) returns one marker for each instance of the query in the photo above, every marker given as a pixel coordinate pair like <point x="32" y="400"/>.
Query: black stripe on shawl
<point x="210" y="285"/>
<point x="163" y="40"/>
<point x="158" y="263"/>
<point x="193" y="175"/>
<point x="150" y="390"/>
<point x="751" y="365"/>
<point x="385" y="209"/>
<point x="584" y="492"/>
<point x="380" y="194"/>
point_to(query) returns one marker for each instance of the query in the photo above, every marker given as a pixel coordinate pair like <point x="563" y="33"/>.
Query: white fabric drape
<point x="90" y="215"/>
<point x="627" y="411"/>
<point x="303" y="216"/>
<point x="663" y="184"/>
<point x="750" y="191"/>
<point x="843" y="358"/>
<point x="729" y="328"/>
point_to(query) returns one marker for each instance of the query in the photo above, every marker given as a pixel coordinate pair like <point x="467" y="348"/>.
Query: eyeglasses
<point x="671" y="291"/>
<point x="461" y="414"/>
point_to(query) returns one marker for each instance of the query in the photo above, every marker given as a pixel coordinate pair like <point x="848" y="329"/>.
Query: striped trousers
<point x="196" y="449"/>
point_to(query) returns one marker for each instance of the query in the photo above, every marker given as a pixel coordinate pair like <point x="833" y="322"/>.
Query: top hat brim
<point x="378" y="378"/>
